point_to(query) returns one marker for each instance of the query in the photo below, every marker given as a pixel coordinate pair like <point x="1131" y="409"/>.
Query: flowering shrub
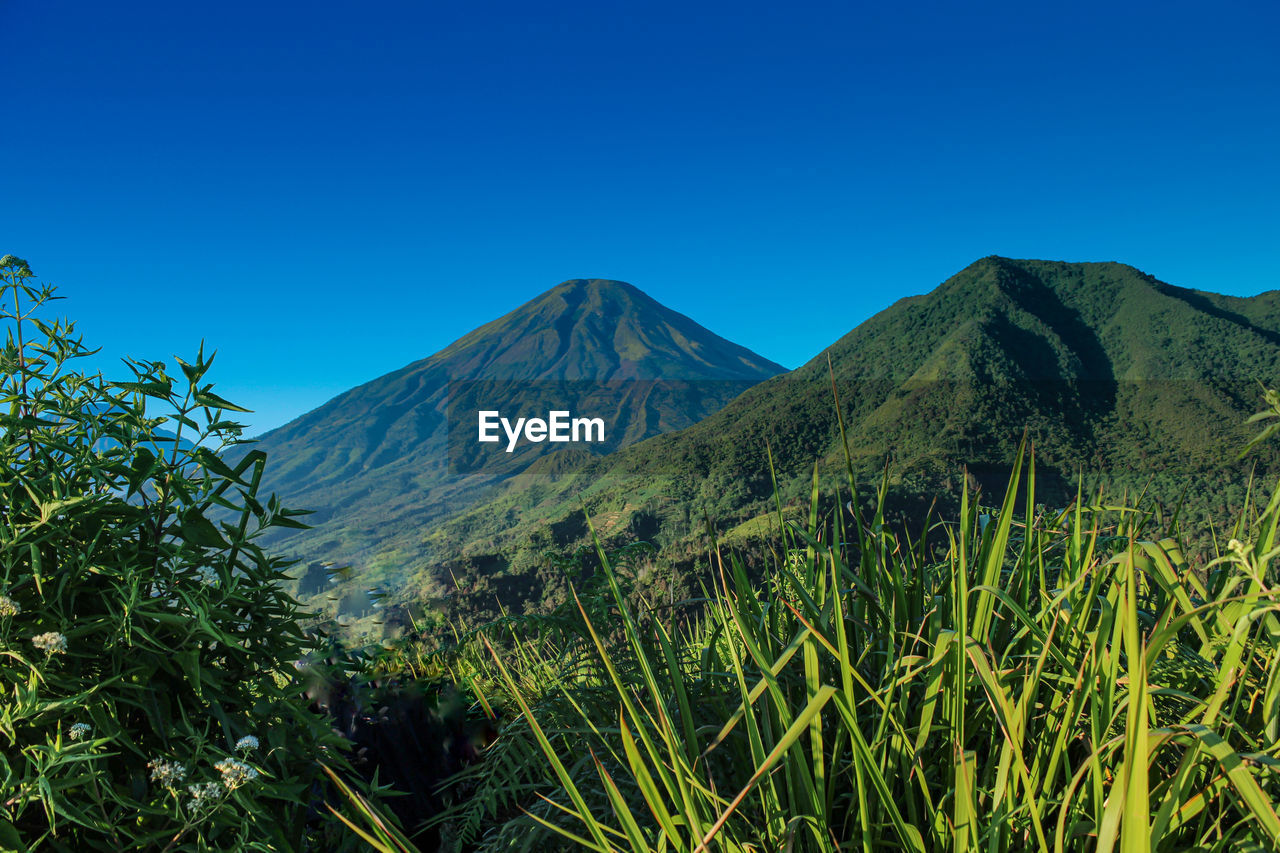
<point x="142" y="631"/>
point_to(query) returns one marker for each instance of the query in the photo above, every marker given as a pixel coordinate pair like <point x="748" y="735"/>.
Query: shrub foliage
<point x="146" y="651"/>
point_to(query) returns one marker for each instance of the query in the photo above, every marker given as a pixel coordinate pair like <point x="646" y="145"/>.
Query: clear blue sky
<point x="327" y="191"/>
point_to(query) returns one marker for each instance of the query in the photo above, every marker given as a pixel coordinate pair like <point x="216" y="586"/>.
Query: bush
<point x="146" y="651"/>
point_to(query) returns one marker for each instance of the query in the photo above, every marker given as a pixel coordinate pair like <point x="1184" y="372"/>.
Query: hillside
<point x="1114" y="374"/>
<point x="381" y="462"/>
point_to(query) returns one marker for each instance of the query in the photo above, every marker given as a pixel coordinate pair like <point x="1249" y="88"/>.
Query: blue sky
<point x="325" y="191"/>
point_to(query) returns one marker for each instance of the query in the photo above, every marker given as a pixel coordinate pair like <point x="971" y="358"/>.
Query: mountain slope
<point x="383" y="460"/>
<point x="1111" y="371"/>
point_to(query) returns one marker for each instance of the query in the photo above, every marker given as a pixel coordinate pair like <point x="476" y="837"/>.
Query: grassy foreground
<point x="1019" y="679"/>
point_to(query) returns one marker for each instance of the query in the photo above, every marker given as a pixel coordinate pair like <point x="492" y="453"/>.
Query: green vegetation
<point x="1120" y="379"/>
<point x="149" y="695"/>
<point x="1013" y="680"/>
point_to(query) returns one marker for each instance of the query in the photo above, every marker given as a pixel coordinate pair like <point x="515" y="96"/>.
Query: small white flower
<point x="51" y="643"/>
<point x="167" y="773"/>
<point x="8" y="607"/>
<point x="79" y="731"/>
<point x="248" y="743"/>
<point x="235" y="772"/>
<point x="203" y="794"/>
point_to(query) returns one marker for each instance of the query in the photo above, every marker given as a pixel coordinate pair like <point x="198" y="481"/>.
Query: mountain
<point x="1114" y="374"/>
<point x="380" y="463"/>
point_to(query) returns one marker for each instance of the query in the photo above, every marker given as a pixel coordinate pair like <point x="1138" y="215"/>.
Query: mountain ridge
<point x="1114" y="374"/>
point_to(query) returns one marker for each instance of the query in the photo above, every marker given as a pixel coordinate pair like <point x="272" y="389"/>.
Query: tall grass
<point x="1016" y="679"/>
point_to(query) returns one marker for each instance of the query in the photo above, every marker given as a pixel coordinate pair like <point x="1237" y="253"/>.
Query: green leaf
<point x="211" y="461"/>
<point x="283" y="520"/>
<point x="140" y="468"/>
<point x="205" y="397"/>
<point x="159" y="390"/>
<point x="199" y="530"/>
<point x="10" y="840"/>
<point x="193" y="372"/>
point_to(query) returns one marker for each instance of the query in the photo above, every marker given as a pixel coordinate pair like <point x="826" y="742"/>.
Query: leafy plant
<point x="1011" y="680"/>
<point x="146" y="651"/>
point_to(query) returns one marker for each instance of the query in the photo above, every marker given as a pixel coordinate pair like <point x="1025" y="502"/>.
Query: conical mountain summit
<point x="382" y="460"/>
